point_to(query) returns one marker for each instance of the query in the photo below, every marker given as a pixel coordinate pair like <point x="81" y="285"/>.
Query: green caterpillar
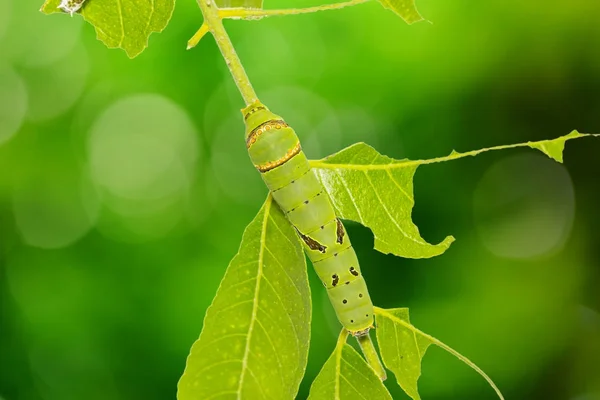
<point x="275" y="151"/>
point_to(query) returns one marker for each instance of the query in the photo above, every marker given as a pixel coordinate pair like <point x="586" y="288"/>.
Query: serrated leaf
<point x="346" y="376"/>
<point x="253" y="4"/>
<point x="406" y="9"/>
<point x="124" y="24"/>
<point x="377" y="191"/>
<point x="403" y="346"/>
<point x="256" y="334"/>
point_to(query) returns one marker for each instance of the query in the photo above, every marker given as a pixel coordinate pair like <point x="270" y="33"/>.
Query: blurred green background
<point x="125" y="188"/>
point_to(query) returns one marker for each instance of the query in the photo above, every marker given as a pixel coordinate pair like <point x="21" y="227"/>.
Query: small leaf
<point x="256" y="334"/>
<point x="403" y="346"/>
<point x="406" y="9"/>
<point x="253" y="4"/>
<point x="346" y="376"/>
<point x="377" y="191"/>
<point x="125" y="24"/>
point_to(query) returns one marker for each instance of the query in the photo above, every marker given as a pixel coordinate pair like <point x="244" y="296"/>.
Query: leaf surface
<point x="256" y="334"/>
<point x="406" y="9"/>
<point x="403" y="346"/>
<point x="124" y="24"/>
<point x="346" y="376"/>
<point x="377" y="191"/>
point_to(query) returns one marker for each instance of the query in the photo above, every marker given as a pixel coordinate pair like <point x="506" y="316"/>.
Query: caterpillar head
<point x="257" y="114"/>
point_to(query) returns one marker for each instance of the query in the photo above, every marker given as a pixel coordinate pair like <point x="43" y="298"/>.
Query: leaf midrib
<point x="323" y="164"/>
<point x="261" y="253"/>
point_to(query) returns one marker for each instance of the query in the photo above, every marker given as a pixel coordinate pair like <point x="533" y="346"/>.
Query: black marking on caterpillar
<point x="312" y="243"/>
<point x="340" y="231"/>
<point x="335" y="281"/>
<point x="353" y="271"/>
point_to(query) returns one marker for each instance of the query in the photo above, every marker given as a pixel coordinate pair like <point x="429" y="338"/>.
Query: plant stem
<point x="368" y="349"/>
<point x="244" y="13"/>
<point x="215" y="26"/>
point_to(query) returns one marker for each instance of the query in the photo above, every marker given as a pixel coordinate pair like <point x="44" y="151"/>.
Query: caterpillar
<point x="71" y="6"/>
<point x="275" y="151"/>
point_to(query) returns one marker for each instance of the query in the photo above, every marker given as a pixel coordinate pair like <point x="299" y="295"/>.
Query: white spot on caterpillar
<point x="71" y="6"/>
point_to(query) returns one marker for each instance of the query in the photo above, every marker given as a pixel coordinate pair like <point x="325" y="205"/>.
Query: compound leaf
<point x="124" y="24"/>
<point x="403" y="346"/>
<point x="377" y="191"/>
<point x="346" y="376"/>
<point x="406" y="9"/>
<point x="256" y="334"/>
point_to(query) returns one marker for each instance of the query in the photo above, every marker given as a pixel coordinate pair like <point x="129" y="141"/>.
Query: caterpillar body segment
<point x="275" y="151"/>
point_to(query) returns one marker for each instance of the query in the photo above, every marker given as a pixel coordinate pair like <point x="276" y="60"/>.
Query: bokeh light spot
<point x="311" y="116"/>
<point x="231" y="165"/>
<point x="54" y="89"/>
<point x="13" y="103"/>
<point x="54" y="213"/>
<point x="35" y="40"/>
<point x="524" y="206"/>
<point x="289" y="60"/>
<point x="143" y="151"/>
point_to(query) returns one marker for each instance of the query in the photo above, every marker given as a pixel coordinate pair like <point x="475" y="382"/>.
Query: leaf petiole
<point x="370" y="353"/>
<point x="253" y="14"/>
<point x="193" y="42"/>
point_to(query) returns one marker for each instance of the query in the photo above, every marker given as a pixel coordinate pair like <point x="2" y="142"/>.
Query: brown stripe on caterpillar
<point x="312" y="243"/>
<point x="340" y="231"/>
<point x="277" y="163"/>
<point x="253" y="110"/>
<point x="265" y="126"/>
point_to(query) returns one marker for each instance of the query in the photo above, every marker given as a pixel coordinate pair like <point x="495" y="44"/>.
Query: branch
<point x="214" y="24"/>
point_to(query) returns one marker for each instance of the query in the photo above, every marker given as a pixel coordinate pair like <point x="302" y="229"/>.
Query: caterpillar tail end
<point x="370" y="353"/>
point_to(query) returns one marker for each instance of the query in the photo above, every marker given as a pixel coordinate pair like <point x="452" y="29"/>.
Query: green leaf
<point x="346" y="376"/>
<point x="403" y="346"/>
<point x="253" y="4"/>
<point x="377" y="191"/>
<point x="124" y="24"/>
<point x="256" y="334"/>
<point x="405" y="9"/>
